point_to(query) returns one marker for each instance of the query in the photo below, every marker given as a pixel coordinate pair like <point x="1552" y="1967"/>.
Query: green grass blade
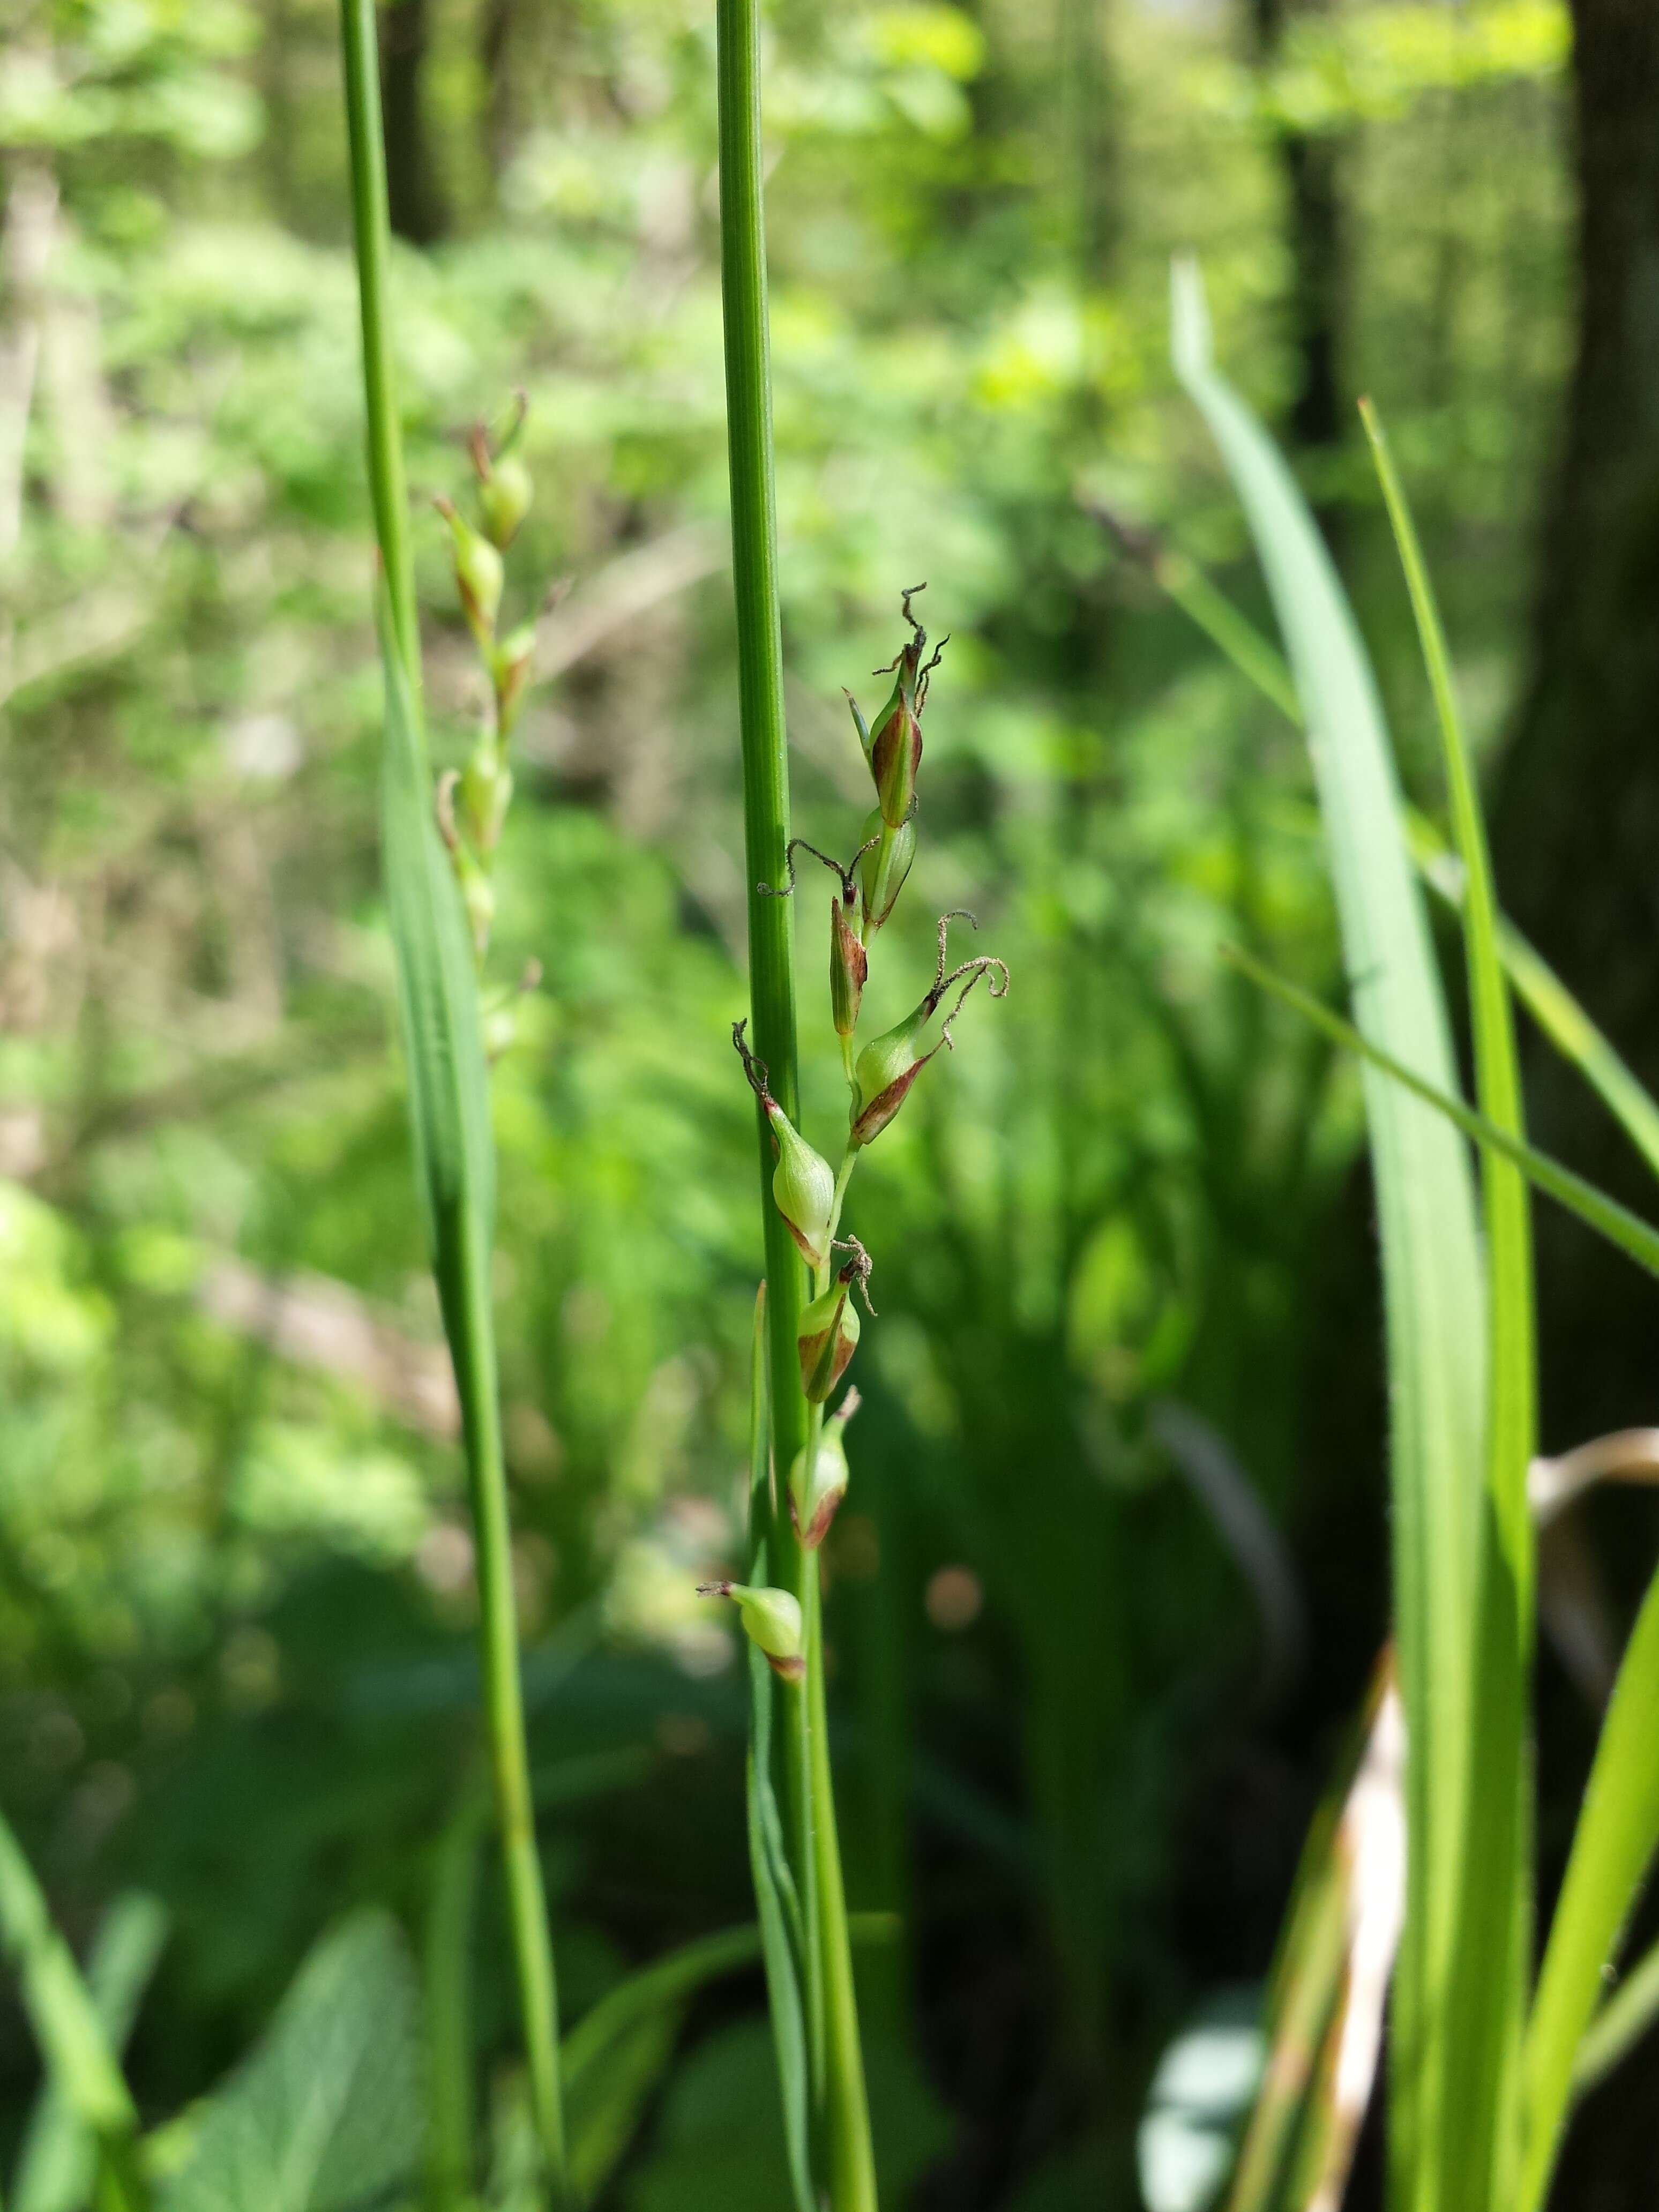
<point x="1578" y="1039"/>
<point x="1302" y="1999"/>
<point x="1490" y="1964"/>
<point x="58" y="2159"/>
<point x="1620" y="2026"/>
<point x="1618" y="1829"/>
<point x="67" y="2027"/>
<point x="1432" y="1275"/>
<point x="447" y="1975"/>
<point x="1635" y="1237"/>
<point x="448" y="1088"/>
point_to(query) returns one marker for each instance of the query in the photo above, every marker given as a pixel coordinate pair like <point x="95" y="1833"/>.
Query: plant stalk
<point x="464" y="1283"/>
<point x="831" y="2011"/>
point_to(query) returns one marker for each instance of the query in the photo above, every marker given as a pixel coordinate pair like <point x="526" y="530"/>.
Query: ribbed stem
<point x="845" y="2120"/>
<point x="468" y="1320"/>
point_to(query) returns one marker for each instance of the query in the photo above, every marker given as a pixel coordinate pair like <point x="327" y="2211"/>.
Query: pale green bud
<point x="478" y="574"/>
<point x="504" y="498"/>
<point x="486" y="794"/>
<point x="815" y="1494"/>
<point x="883" y="865"/>
<point x="803" y="1182"/>
<point x="802" y="1187"/>
<point x="772" y="1620"/>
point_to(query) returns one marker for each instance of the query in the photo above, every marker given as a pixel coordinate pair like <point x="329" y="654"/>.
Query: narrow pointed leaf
<point x="1617" y="1830"/>
<point x="1637" y="1238"/>
<point x="58" y="2157"/>
<point x="1487" y="1989"/>
<point x="1620" y="2026"/>
<point x="66" y="2025"/>
<point x="1546" y="997"/>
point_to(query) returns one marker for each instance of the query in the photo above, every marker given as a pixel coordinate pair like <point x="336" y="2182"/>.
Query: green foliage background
<point x="234" y="1569"/>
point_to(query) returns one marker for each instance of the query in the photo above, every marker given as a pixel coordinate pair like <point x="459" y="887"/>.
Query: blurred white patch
<point x="1204" y="2083"/>
<point x="264" y="748"/>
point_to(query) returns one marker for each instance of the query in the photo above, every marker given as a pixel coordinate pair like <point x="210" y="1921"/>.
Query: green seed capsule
<point x="504" y="498"/>
<point x="815" y="1497"/>
<point x="884" y="868"/>
<point x="478" y="574"/>
<point x="887" y="1067"/>
<point x="772" y="1620"/>
<point x="486" y="794"/>
<point x="803" y="1182"/>
<point x="803" y="1186"/>
<point x="896" y="753"/>
<point x="826" y="1340"/>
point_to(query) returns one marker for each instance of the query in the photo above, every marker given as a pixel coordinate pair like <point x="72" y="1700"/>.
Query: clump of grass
<point x="1485" y="2064"/>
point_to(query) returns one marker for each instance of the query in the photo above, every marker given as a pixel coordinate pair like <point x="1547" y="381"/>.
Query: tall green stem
<point x="852" y="2157"/>
<point x="461" y="1209"/>
<point x="772" y="992"/>
<point x="760" y="677"/>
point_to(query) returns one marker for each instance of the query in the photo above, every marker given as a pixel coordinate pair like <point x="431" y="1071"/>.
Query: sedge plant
<point x="437" y="843"/>
<point x="1485" y="2057"/>
<point x="808" y="1318"/>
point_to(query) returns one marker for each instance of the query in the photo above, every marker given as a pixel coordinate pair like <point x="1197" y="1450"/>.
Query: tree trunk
<point x="1576" y="821"/>
<point x="1314" y="229"/>
<point x="413" y="202"/>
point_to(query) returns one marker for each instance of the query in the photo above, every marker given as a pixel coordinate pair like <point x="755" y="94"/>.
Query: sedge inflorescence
<point x="472" y="801"/>
<point x="806" y="1190"/>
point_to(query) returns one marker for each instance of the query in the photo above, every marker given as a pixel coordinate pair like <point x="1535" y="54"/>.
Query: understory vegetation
<point x="1214" y="1606"/>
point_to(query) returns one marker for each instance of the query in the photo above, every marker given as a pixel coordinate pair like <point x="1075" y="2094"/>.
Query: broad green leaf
<point x="1634" y="1236"/>
<point x="1431" y="1265"/>
<point x="602" y="2111"/>
<point x="1491" y="1960"/>
<point x="1617" y="1830"/>
<point x="58" y="2162"/>
<point x="326" y="2113"/>
<point x="617" y="2053"/>
<point x="65" y="2023"/>
<point x="718" y="2145"/>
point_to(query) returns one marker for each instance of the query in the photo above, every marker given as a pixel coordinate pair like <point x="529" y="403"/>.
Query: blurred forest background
<point x="1110" y="1576"/>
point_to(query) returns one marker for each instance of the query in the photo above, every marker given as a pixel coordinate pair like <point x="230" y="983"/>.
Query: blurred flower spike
<point x="478" y="574"/>
<point x="505" y="489"/>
